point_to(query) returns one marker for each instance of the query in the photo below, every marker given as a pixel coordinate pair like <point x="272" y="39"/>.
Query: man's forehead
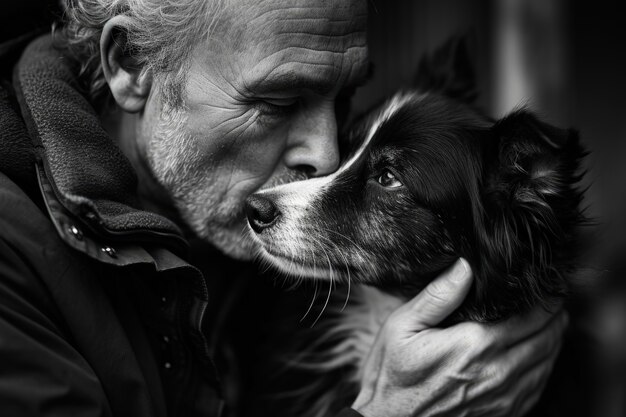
<point x="260" y="13"/>
<point x="299" y="43"/>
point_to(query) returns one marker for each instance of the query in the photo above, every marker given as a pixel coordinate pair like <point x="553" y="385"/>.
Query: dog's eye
<point x="387" y="179"/>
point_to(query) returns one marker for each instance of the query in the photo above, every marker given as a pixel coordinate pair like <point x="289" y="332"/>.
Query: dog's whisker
<point x="313" y="260"/>
<point x="335" y="249"/>
<point x="359" y="247"/>
<point x="312" y="302"/>
<point x="325" y="305"/>
<point x="345" y="303"/>
<point x="330" y="288"/>
<point x="243" y="235"/>
<point x="338" y="250"/>
<point x="347" y="266"/>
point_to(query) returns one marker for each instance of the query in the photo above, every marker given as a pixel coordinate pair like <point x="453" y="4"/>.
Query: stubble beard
<point x="196" y="196"/>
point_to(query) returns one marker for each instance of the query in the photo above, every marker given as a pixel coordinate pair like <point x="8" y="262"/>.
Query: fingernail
<point x="460" y="270"/>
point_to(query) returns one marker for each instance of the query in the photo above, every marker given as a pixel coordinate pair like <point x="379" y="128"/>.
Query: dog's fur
<point x="428" y="179"/>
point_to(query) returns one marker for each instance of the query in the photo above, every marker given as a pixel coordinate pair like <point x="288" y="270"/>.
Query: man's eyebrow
<point x="296" y="82"/>
<point x="290" y="82"/>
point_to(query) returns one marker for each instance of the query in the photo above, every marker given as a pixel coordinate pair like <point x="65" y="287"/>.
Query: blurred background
<point x="566" y="60"/>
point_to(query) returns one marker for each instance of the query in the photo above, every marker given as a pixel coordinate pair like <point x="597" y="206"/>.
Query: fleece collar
<point x="82" y="172"/>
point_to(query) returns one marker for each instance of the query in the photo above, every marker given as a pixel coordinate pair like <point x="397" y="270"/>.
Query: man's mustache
<point x="287" y="176"/>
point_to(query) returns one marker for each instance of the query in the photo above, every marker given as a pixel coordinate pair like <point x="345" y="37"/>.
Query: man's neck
<point x="122" y="127"/>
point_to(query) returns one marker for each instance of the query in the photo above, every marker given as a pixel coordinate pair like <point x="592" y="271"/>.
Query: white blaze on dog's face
<point x="362" y="222"/>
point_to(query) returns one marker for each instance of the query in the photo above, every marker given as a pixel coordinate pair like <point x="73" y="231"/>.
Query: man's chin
<point x="235" y="242"/>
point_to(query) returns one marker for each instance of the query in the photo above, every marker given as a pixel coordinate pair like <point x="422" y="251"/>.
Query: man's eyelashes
<point x="276" y="107"/>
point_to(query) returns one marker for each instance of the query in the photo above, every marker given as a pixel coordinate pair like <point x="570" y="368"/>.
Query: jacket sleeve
<point x="41" y="374"/>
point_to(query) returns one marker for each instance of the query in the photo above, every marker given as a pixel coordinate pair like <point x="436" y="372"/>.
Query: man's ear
<point x="129" y="83"/>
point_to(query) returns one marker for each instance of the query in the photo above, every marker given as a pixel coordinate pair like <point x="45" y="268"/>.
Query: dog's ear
<point x="530" y="212"/>
<point x="529" y="163"/>
<point x="449" y="70"/>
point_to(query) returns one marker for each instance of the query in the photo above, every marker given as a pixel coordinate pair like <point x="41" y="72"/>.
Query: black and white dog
<point x="429" y="179"/>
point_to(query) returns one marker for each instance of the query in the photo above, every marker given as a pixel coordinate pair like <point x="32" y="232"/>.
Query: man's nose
<point x="312" y="144"/>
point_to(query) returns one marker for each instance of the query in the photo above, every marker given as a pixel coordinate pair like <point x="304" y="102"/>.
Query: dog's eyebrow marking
<point x="391" y="107"/>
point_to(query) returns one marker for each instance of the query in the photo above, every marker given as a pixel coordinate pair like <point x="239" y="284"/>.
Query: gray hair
<point x="160" y="38"/>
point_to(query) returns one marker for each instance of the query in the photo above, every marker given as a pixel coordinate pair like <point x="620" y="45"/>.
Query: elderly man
<point x="142" y="122"/>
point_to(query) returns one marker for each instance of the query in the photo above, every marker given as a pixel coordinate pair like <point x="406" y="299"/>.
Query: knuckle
<point x="488" y="335"/>
<point x="499" y="376"/>
<point x="503" y="404"/>
<point x="563" y="321"/>
<point x="438" y="292"/>
<point x="550" y="339"/>
<point x="506" y="405"/>
<point x="392" y="325"/>
<point x="393" y="320"/>
<point x="481" y="337"/>
<point x="548" y="365"/>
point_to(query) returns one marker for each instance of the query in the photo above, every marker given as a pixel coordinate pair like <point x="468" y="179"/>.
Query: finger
<point x="441" y="297"/>
<point x="509" y="393"/>
<point x="530" y="400"/>
<point x="519" y="328"/>
<point x="517" y="391"/>
<point x="536" y="350"/>
<point x="535" y="384"/>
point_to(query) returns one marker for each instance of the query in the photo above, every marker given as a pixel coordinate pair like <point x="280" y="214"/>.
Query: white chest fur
<point x="353" y="331"/>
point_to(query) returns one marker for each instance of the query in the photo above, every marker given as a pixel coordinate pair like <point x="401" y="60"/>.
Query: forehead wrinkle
<point x="321" y="73"/>
<point x="327" y="37"/>
<point x="316" y="33"/>
<point x="320" y="26"/>
<point x="337" y="10"/>
<point x="329" y="53"/>
<point x="250" y="21"/>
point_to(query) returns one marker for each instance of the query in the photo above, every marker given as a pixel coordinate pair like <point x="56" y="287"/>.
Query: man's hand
<point x="469" y="369"/>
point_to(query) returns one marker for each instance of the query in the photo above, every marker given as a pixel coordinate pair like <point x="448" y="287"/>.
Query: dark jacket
<point x="100" y="314"/>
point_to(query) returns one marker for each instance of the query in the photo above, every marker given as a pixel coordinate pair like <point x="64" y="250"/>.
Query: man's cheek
<point x="242" y="146"/>
<point x="256" y="161"/>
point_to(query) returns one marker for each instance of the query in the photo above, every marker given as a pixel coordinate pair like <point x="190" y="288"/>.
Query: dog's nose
<point x="261" y="212"/>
